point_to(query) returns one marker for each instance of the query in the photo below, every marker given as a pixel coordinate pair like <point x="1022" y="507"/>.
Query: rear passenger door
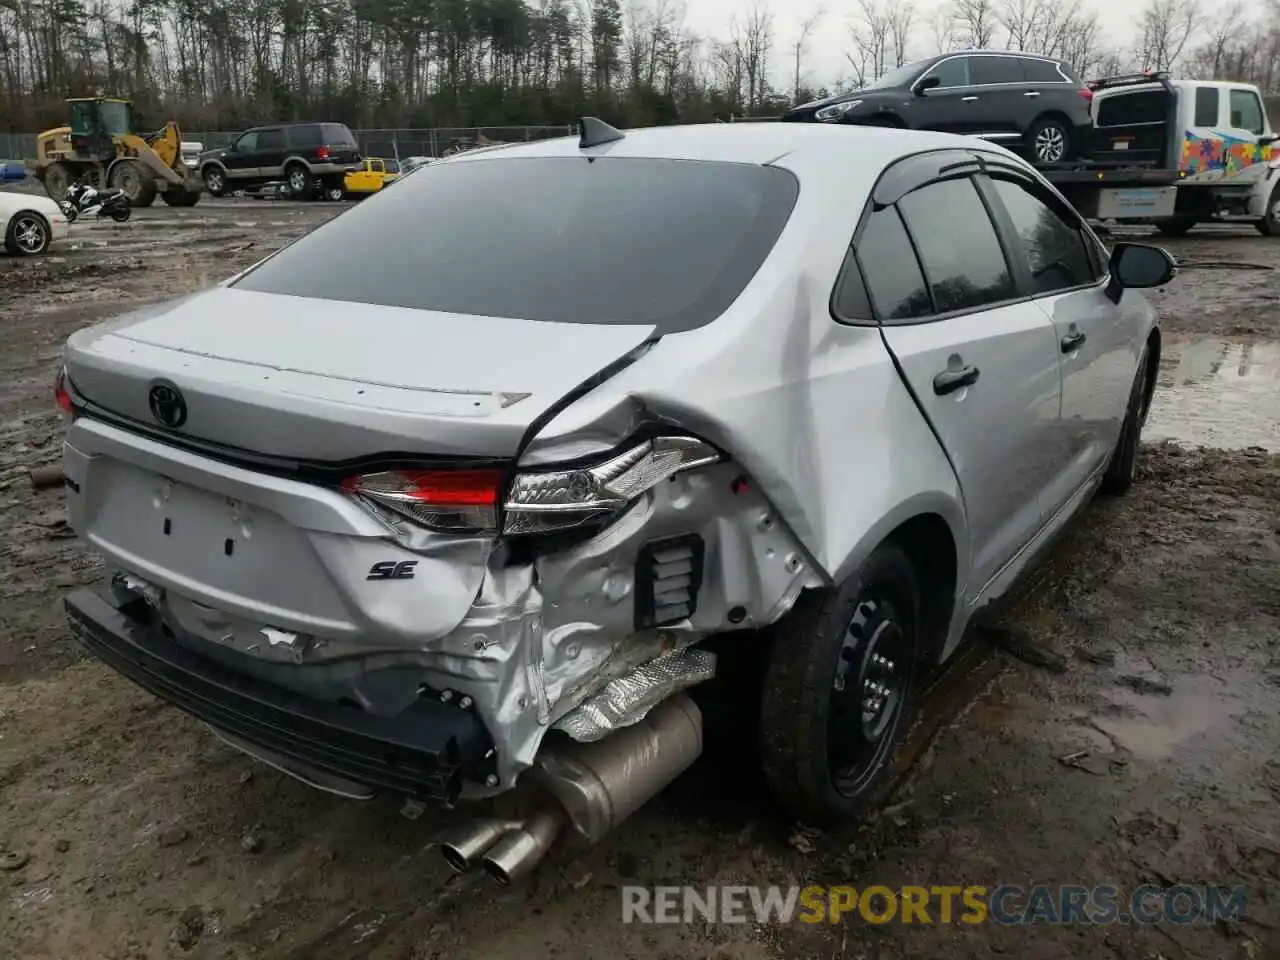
<point x="1064" y="271"/>
<point x="982" y="364"/>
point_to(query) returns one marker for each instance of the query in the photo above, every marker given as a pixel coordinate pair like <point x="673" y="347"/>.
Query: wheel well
<point x="890" y="119"/>
<point x="1054" y="115"/>
<point x="927" y="541"/>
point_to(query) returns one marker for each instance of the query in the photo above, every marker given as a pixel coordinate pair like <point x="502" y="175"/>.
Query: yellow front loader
<point x="100" y="148"/>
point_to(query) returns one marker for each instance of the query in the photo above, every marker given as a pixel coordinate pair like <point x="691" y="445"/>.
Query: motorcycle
<point x="83" y="200"/>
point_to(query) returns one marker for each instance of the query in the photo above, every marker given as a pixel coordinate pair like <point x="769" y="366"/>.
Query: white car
<point x="31" y="222"/>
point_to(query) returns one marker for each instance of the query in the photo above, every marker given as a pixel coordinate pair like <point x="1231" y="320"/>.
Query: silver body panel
<point x="838" y="446"/>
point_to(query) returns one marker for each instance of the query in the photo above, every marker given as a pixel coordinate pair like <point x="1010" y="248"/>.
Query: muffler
<point x="593" y="787"/>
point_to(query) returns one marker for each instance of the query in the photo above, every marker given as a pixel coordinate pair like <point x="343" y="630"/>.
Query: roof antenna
<point x="593" y="132"/>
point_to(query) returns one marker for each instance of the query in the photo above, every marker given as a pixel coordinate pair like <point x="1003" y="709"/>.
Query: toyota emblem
<point x="167" y="405"/>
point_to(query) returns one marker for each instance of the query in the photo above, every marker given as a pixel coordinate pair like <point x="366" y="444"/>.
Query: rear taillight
<point x="1085" y="94"/>
<point x="322" y="153"/>
<point x="544" y="501"/>
<point x="450" y="501"/>
<point x="61" y="394"/>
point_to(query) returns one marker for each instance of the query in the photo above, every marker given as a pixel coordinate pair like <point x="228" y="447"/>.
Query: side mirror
<point x="1139" y="266"/>
<point x="231" y="147"/>
<point x="928" y="83"/>
<point x="1267" y="139"/>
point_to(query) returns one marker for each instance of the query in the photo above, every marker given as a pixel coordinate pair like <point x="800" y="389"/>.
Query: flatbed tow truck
<point x="1175" y="153"/>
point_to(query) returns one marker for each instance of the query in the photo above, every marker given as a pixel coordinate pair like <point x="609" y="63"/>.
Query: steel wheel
<point x="868" y="693"/>
<point x="1050" y="143"/>
<point x="29" y="234"/>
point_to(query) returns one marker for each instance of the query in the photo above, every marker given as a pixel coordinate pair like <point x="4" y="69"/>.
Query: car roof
<point x="751" y="143"/>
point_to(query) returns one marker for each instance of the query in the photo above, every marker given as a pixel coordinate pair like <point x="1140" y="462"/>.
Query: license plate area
<point x="1136" y="203"/>
<point x="225" y="552"/>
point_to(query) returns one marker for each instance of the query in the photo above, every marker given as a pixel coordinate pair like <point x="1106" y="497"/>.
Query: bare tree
<point x="757" y="42"/>
<point x="975" y="22"/>
<point x="901" y="15"/>
<point x="802" y="38"/>
<point x="1166" y="26"/>
<point x="880" y="31"/>
<point x="942" y="28"/>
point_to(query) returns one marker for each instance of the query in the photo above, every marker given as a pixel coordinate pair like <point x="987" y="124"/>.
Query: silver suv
<point x="455" y="520"/>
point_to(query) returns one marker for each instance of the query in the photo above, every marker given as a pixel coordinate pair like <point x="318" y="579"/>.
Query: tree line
<point x="227" y="64"/>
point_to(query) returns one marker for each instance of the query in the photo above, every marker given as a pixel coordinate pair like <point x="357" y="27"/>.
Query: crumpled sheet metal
<point x="626" y="700"/>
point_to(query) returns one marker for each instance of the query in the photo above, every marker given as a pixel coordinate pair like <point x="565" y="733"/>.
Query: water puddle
<point x="1217" y="393"/>
<point x="1155" y="727"/>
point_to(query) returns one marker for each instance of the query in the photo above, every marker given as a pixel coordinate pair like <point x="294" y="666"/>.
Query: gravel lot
<point x="1121" y="727"/>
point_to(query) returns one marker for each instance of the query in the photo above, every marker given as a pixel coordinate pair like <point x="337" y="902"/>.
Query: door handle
<point x="1031" y="93"/>
<point x="949" y="381"/>
<point x="968" y="99"/>
<point x="1072" y="340"/>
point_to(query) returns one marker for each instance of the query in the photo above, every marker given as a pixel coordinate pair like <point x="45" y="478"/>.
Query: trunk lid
<point x="324" y="381"/>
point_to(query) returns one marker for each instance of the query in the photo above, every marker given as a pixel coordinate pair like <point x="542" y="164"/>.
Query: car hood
<point x="317" y="379"/>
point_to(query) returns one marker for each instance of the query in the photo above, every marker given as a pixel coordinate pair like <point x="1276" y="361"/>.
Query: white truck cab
<point x="1214" y="133"/>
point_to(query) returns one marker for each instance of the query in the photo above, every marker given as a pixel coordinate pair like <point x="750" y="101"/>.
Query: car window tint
<point x="603" y="240"/>
<point x="1206" y="114"/>
<point x="247" y="142"/>
<point x="994" y="70"/>
<point x="271" y="140"/>
<point x="852" y="302"/>
<point x="952" y="73"/>
<point x="393" y="166"/>
<point x="892" y="271"/>
<point x="1144" y="106"/>
<point x="1246" y="111"/>
<point x="337" y="135"/>
<point x="1055" y="249"/>
<point x="306" y="135"/>
<point x="1041" y="71"/>
<point x="958" y="245"/>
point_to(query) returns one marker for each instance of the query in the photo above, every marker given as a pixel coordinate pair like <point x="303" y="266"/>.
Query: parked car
<point x="397" y="509"/>
<point x="1216" y="133"/>
<point x="30" y="222"/>
<point x="306" y="156"/>
<point x="372" y="176"/>
<point x="191" y="151"/>
<point x="1033" y="103"/>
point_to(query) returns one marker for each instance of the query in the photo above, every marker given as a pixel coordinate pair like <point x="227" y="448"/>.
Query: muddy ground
<point x="1133" y="736"/>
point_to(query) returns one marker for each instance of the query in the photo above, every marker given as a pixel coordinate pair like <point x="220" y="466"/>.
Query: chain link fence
<point x="389" y="143"/>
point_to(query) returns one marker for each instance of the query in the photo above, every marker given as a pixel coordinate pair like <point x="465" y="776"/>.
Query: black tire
<point x="1175" y="226"/>
<point x="121" y="214"/>
<point x="1122" y="469"/>
<point x="28" y="234"/>
<point x="335" y="194"/>
<point x="181" y="197"/>
<point x="136" y="181"/>
<point x="215" y="181"/>
<point x="1269" y="225"/>
<point x="57" y="177"/>
<point x="1049" y="140"/>
<point x="298" y="178"/>
<point x="827" y="638"/>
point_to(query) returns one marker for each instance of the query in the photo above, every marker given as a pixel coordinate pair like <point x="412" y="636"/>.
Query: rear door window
<point x="304" y="136"/>
<point x="605" y="240"/>
<point x="1246" y="111"/>
<point x="893" y="275"/>
<point x="987" y="70"/>
<point x="1206" y="113"/>
<point x="959" y="247"/>
<point x="337" y="135"/>
<point x="1040" y="71"/>
<point x="271" y="139"/>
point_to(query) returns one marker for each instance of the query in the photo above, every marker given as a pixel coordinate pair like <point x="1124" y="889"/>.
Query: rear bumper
<point x="424" y="753"/>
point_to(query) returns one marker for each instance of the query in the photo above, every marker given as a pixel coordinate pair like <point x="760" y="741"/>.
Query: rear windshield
<point x="337" y="135"/>
<point x="1123" y="109"/>
<point x="609" y="241"/>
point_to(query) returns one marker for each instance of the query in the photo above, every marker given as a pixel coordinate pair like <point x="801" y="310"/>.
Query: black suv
<point x="304" y="155"/>
<point x="1017" y="99"/>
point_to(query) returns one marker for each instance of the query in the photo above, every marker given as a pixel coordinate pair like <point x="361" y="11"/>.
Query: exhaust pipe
<point x="460" y="847"/>
<point x="598" y="785"/>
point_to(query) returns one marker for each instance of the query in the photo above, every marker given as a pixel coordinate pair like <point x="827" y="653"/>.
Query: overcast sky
<point x="825" y="61"/>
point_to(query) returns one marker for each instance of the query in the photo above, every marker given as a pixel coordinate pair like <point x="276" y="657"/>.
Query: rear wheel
<point x="838" y="687"/>
<point x="334" y="193"/>
<point x="28" y="234"/>
<point x="1175" y="226"/>
<point x="1050" y="140"/>
<point x="1269" y="225"/>
<point x="181" y="197"/>
<point x="121" y="214"/>
<point x="57" y="177"/>
<point x="137" y="183"/>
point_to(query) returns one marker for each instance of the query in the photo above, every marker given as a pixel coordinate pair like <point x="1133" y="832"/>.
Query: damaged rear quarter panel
<point x="814" y="411"/>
